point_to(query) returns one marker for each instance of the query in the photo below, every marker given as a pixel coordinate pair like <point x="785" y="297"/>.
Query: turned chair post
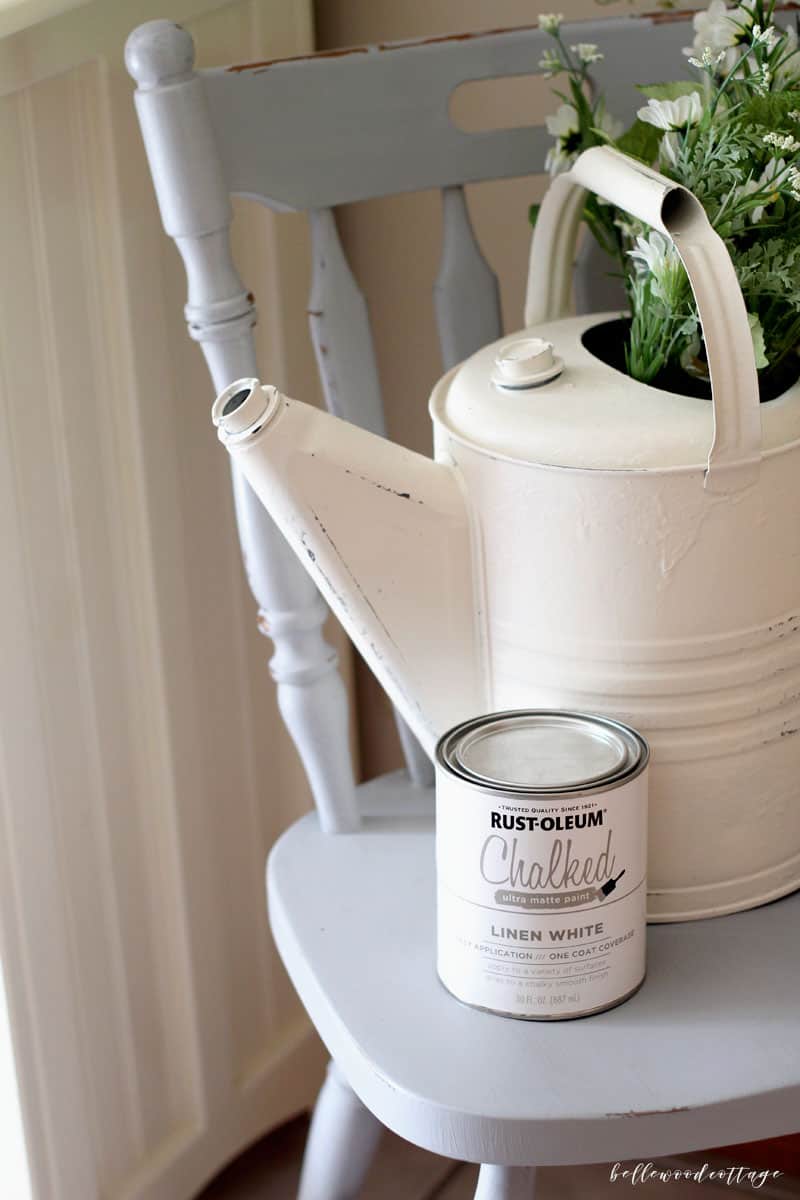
<point x="220" y="313"/>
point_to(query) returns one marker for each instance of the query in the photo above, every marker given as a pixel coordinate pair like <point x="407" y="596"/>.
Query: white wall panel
<point x="144" y="770"/>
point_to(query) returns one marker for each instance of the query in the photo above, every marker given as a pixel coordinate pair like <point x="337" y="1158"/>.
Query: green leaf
<point x="640" y="141"/>
<point x="771" y="110"/>
<point x="533" y="214"/>
<point x="668" y="91"/>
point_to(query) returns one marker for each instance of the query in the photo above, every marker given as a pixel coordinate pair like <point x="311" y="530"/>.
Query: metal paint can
<point x="541" y="861"/>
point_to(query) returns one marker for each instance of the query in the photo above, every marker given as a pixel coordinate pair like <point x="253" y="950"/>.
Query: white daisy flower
<point x="656" y="255"/>
<point x="550" y="22"/>
<point x="673" y="114"/>
<point x="564" y="127"/>
<point x="563" y="122"/>
<point x="651" y="251"/>
<point x="715" y="29"/>
<point x="668" y="150"/>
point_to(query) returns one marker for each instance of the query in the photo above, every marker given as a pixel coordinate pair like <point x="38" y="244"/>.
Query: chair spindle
<point x="466" y="293"/>
<point x="196" y="212"/>
<point x="345" y="350"/>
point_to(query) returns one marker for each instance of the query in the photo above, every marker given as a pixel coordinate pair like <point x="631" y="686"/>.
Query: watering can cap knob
<point x="526" y="362"/>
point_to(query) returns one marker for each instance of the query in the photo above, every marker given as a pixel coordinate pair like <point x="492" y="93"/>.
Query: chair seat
<point x="706" y="1053"/>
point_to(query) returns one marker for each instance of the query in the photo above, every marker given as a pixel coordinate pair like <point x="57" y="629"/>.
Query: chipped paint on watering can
<point x="589" y="543"/>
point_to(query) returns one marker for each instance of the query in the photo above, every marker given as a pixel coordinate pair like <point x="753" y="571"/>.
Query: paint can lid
<point x="543" y="751"/>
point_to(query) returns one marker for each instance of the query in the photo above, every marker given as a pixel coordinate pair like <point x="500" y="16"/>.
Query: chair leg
<point x="341" y="1142"/>
<point x="506" y="1183"/>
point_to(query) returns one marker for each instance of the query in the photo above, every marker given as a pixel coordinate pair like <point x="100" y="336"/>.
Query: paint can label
<point x="541" y="893"/>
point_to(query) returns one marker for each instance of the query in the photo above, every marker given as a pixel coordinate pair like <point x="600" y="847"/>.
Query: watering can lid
<point x="570" y="409"/>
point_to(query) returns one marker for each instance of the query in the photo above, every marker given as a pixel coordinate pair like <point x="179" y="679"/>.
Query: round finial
<point x="159" y="52"/>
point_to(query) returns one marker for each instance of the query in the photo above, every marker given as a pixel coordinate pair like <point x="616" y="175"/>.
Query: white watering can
<point x="576" y="545"/>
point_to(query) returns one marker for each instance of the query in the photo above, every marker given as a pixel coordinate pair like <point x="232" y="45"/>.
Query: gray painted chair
<point x="309" y="134"/>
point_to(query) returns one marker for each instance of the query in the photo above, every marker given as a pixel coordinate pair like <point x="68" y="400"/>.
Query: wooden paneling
<point x="144" y="769"/>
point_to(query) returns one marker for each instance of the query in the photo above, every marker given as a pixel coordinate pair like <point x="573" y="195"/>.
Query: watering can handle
<point x="735" y="453"/>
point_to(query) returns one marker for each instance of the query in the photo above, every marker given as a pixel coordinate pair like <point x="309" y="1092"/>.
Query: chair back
<point x="308" y="134"/>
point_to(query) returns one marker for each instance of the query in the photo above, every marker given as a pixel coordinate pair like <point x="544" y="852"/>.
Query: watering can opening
<point x="605" y="340"/>
<point x="235" y="401"/>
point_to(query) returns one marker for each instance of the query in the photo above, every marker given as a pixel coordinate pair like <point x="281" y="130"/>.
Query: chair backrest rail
<point x="375" y="121"/>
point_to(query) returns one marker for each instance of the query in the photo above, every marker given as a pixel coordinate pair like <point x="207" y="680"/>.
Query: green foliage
<point x="771" y="268"/>
<point x="657" y="329"/>
<point x="772" y="110"/>
<point x="738" y="151"/>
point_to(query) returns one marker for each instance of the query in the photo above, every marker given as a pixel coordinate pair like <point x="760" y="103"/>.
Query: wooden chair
<point x="707" y="1052"/>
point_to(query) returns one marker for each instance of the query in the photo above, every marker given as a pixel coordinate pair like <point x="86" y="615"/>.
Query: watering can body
<point x="642" y="595"/>
<point x="573" y="544"/>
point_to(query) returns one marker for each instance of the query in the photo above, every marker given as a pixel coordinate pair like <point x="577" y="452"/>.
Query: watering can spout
<point x="385" y="534"/>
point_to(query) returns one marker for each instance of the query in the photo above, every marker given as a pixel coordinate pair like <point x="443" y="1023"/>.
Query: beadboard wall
<point x="144" y="770"/>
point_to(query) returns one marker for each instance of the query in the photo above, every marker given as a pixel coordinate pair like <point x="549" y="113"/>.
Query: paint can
<point x="541" y="861"/>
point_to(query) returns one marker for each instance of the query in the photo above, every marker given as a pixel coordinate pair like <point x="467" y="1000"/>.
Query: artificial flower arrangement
<point x="732" y="137"/>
